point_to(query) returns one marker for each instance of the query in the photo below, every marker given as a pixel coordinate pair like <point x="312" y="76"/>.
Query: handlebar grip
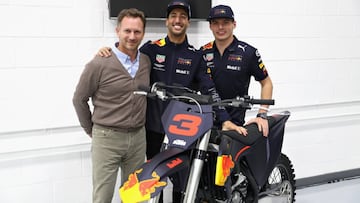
<point x="263" y="101"/>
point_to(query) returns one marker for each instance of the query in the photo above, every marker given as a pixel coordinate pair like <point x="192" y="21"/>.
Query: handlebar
<point x="159" y="90"/>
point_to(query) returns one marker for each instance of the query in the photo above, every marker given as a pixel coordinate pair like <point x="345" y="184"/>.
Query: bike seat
<point x="253" y="134"/>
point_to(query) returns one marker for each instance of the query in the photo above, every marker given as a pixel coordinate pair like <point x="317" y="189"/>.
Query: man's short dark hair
<point x="131" y="12"/>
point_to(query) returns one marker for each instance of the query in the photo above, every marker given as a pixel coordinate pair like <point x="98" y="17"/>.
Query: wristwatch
<point x="262" y="115"/>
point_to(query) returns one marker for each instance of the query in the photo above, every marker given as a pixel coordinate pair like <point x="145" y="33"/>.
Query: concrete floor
<point x="347" y="191"/>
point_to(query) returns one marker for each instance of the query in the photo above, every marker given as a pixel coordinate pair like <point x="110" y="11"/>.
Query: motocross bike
<point x="209" y="165"/>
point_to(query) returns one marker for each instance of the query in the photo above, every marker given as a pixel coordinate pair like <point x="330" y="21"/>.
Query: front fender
<point x="148" y="180"/>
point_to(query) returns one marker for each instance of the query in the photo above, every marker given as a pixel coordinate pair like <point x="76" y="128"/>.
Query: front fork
<point x="196" y="169"/>
<point x="154" y="199"/>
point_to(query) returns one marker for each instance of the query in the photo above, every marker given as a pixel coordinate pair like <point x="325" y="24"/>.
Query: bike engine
<point x="209" y="192"/>
<point x="239" y="188"/>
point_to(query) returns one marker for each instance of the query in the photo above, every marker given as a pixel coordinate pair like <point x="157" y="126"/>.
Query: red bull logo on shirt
<point x="183" y="61"/>
<point x="234" y="57"/>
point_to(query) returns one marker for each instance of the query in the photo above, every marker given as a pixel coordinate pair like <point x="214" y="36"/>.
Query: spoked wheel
<point x="281" y="181"/>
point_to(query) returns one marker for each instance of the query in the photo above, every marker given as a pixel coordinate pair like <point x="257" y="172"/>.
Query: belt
<point x="123" y="130"/>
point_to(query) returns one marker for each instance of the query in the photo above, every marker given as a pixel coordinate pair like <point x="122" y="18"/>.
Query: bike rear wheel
<point x="281" y="181"/>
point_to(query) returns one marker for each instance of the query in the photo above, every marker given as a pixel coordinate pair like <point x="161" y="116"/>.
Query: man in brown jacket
<point x="116" y="123"/>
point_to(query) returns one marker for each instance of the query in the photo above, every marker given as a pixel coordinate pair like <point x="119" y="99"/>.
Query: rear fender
<point x="275" y="139"/>
<point x="262" y="153"/>
<point x="150" y="179"/>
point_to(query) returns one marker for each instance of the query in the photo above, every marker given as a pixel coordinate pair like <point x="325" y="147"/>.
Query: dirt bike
<point x="209" y="165"/>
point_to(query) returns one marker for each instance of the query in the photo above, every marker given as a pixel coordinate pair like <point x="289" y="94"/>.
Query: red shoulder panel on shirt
<point x="208" y="46"/>
<point x="160" y="42"/>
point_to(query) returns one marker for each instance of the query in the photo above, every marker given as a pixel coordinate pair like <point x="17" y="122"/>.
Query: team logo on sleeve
<point x="262" y="67"/>
<point x="260" y="62"/>
<point x="258" y="56"/>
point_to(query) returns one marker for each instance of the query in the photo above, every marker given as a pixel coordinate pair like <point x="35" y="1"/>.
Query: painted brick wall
<point x="311" y="50"/>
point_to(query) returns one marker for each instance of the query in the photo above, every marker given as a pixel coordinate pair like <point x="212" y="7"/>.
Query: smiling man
<point x="232" y="63"/>
<point x="116" y="123"/>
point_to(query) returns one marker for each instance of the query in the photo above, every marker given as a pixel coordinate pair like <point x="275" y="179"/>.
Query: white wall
<point x="311" y="50"/>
